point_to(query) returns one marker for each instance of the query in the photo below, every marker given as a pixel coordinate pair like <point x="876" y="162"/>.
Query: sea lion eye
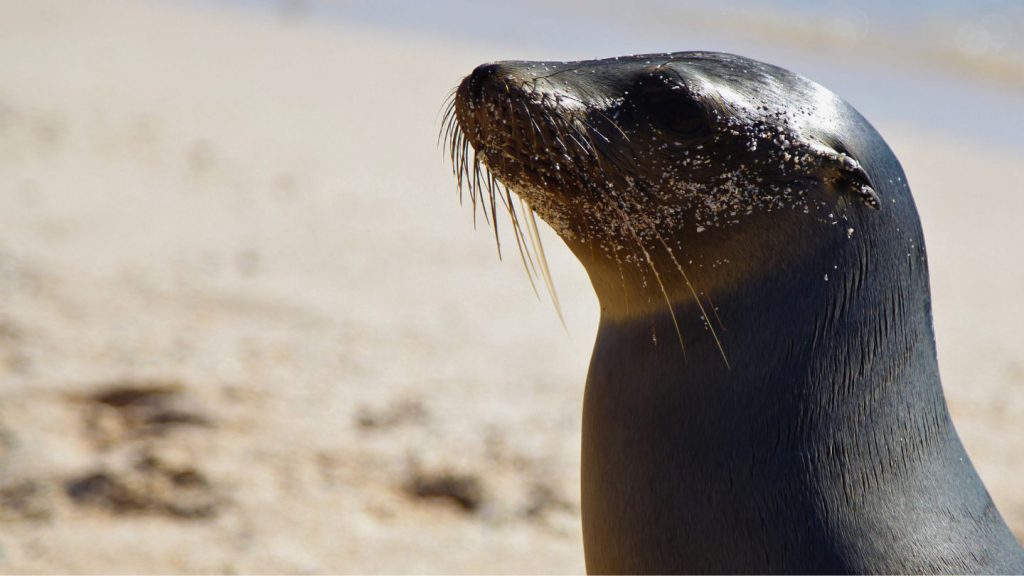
<point x="671" y="106"/>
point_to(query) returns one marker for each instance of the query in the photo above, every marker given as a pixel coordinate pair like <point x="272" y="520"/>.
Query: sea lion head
<point x="709" y="164"/>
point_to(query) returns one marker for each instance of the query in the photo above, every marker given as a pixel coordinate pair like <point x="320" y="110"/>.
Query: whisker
<point x="531" y="227"/>
<point x="494" y="219"/>
<point x="457" y="157"/>
<point x="451" y="125"/>
<point x="572" y="136"/>
<point x="614" y="125"/>
<point x="696" y="298"/>
<point x="446" y="119"/>
<point x="654" y="270"/>
<point x="714" y="309"/>
<point x="464" y="177"/>
<point x="449" y="98"/>
<point x="477" y="177"/>
<point x="453" y="134"/>
<point x="472" y="175"/>
<point x="531" y="272"/>
<point x="524" y="253"/>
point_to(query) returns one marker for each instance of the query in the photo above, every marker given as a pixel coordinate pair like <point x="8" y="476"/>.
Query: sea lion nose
<point x="476" y="81"/>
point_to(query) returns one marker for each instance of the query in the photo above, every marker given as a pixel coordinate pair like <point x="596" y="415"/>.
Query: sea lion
<point x="764" y="393"/>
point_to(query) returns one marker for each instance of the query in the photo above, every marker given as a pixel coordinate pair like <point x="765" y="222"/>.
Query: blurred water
<point x="951" y="65"/>
<point x="974" y="27"/>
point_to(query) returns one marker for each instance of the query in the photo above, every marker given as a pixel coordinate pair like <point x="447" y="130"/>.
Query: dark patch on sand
<point x="464" y="490"/>
<point x="150" y="484"/>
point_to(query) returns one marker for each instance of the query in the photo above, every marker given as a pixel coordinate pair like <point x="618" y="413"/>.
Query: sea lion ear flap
<point x="859" y="181"/>
<point x="849" y="174"/>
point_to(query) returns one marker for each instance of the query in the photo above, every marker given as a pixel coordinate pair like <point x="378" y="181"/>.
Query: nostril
<point x="479" y="78"/>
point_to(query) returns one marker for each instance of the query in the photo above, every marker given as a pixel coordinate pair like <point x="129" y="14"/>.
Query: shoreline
<point x="922" y="78"/>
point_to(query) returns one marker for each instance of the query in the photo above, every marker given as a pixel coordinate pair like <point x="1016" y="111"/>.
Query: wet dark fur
<point x="763" y="394"/>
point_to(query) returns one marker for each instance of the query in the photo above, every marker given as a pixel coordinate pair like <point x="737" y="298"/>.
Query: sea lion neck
<point x="826" y="431"/>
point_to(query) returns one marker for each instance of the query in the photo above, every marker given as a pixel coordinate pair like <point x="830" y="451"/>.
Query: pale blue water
<point x="927" y="90"/>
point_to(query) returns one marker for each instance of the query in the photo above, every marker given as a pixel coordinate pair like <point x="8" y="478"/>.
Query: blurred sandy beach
<point x="245" y="325"/>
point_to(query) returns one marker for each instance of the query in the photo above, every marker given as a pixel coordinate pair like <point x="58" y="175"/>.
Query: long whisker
<point x="446" y="120"/>
<point x="476" y="183"/>
<point x="531" y="227"/>
<point x="696" y="298"/>
<point x="506" y="200"/>
<point x="524" y="253"/>
<point x="464" y="175"/>
<point x="458" y="157"/>
<point x="471" y="173"/>
<point x="714" y="310"/>
<point x="449" y="98"/>
<point x="650" y="262"/>
<point x="494" y="213"/>
<point x="593" y="153"/>
<point x="453" y="154"/>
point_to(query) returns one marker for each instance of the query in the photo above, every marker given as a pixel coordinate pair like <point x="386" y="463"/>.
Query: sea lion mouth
<point x="531" y="136"/>
<point x="507" y="132"/>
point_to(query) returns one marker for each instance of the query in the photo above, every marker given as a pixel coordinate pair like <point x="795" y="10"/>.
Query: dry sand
<point x="245" y="326"/>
